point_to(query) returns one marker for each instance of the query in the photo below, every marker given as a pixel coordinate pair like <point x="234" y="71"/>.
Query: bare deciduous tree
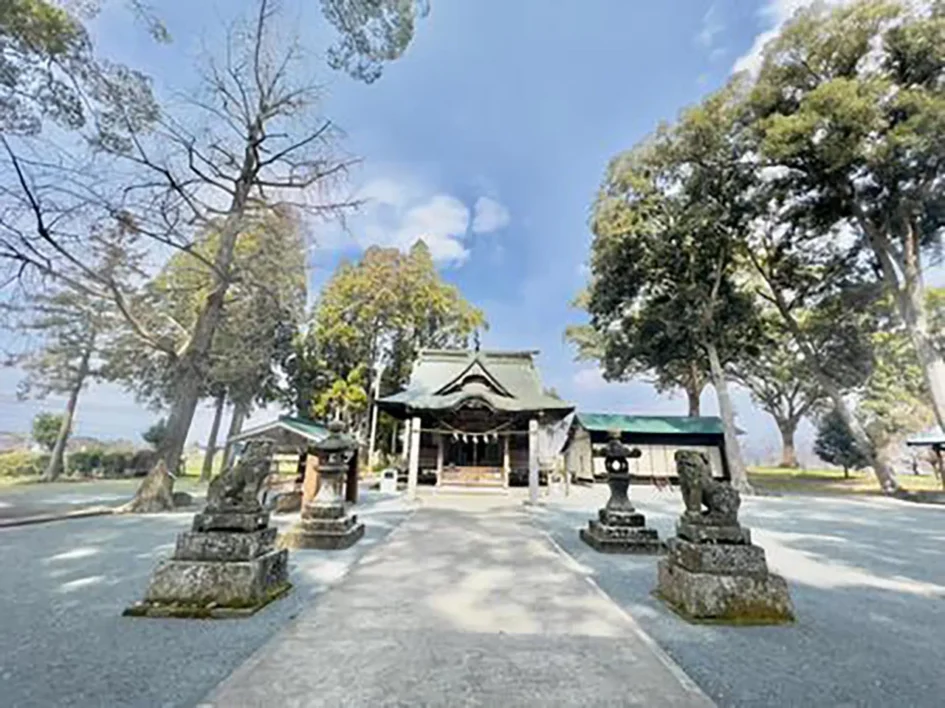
<point x="250" y="141"/>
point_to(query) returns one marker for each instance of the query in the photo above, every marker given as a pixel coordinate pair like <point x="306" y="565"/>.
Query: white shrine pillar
<point x="439" y="459"/>
<point x="533" y="461"/>
<point x="506" y="466"/>
<point x="413" y="464"/>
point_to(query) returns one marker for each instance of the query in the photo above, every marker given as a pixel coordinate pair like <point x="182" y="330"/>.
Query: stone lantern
<point x="326" y="523"/>
<point x="619" y="527"/>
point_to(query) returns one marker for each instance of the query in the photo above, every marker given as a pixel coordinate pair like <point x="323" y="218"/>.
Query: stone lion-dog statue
<point x="237" y="487"/>
<point x="699" y="488"/>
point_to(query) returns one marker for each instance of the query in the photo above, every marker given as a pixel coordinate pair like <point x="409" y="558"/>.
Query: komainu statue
<point x="237" y="487"/>
<point x="699" y="488"/>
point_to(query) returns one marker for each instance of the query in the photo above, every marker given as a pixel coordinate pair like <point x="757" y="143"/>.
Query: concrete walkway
<point x="465" y="604"/>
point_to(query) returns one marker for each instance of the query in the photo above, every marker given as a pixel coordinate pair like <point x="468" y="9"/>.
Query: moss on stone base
<point x="184" y="611"/>
<point x="740" y="616"/>
<point x="724" y="598"/>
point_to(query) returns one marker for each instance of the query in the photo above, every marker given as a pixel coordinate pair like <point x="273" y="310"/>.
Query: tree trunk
<point x="884" y="473"/>
<point x="207" y="468"/>
<point x="236" y="425"/>
<point x="913" y="312"/>
<point x="693" y="387"/>
<point x="909" y="295"/>
<point x="788" y="453"/>
<point x="693" y="395"/>
<point x="190" y="367"/>
<point x="733" y="451"/>
<point x="155" y="494"/>
<point x="56" y="464"/>
<point x="846" y="472"/>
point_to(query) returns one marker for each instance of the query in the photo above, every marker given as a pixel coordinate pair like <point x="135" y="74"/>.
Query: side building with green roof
<point x="657" y="437"/>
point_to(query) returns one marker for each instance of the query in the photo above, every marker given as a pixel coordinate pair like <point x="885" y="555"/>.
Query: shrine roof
<point x="651" y="424"/>
<point x="445" y="378"/>
<point x="284" y="429"/>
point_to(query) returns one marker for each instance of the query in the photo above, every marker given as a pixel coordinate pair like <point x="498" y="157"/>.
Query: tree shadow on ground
<point x="66" y="583"/>
<point x="867" y="581"/>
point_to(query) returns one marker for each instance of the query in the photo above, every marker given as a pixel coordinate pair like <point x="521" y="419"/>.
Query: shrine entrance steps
<point x="466" y="603"/>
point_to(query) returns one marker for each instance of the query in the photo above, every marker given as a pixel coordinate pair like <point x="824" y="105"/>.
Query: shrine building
<point x="482" y="418"/>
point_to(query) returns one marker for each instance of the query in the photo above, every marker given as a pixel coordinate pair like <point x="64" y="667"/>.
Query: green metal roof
<point x="930" y="437"/>
<point x="308" y="429"/>
<point x="665" y="425"/>
<point x="304" y="426"/>
<point x="443" y="378"/>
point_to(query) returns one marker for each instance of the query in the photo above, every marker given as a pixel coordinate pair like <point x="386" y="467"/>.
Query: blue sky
<point x="488" y="139"/>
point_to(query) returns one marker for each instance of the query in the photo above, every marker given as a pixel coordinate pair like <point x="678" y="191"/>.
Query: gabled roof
<point x="652" y="424"/>
<point x="446" y="378"/>
<point x="285" y="427"/>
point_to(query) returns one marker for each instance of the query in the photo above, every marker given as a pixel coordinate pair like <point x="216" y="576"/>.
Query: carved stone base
<point x="245" y="521"/>
<point x="707" y="533"/>
<point x="224" y="545"/>
<point x="324" y="533"/>
<point x="160" y="610"/>
<point x="621" y="531"/>
<point x="191" y="585"/>
<point x="722" y="559"/>
<point x="622" y="517"/>
<point x="724" y="598"/>
<point x="226" y="566"/>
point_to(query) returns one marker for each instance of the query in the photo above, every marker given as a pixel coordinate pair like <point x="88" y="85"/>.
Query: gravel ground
<point x="64" y="584"/>
<point x="868" y="582"/>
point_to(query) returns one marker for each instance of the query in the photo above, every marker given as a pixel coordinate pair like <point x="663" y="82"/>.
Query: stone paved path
<point x="466" y="604"/>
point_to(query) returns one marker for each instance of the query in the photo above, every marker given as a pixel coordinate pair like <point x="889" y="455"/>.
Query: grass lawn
<point x="828" y="481"/>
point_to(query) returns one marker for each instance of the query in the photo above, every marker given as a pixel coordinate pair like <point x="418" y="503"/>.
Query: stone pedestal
<point x="326" y="523"/>
<point x="621" y="532"/>
<point x="619" y="528"/>
<point x="327" y="527"/>
<point x="715" y="574"/>
<point x="225" y="566"/>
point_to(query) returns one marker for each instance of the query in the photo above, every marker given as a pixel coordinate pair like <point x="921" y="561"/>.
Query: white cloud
<point x="399" y="212"/>
<point x="589" y="379"/>
<point x="775" y="13"/>
<point x="490" y="216"/>
<point x="711" y="26"/>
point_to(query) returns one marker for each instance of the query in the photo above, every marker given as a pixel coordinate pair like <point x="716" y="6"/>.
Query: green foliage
<point x="779" y="378"/>
<point x="109" y="463"/>
<point x="835" y="444"/>
<point x="46" y="428"/>
<point x="667" y="223"/>
<point x="848" y="115"/>
<point x="262" y="309"/>
<point x="155" y="435"/>
<point x="894" y="401"/>
<point x="86" y="462"/>
<point x="371" y="32"/>
<point x="345" y="398"/>
<point x="50" y="73"/>
<point x="22" y="463"/>
<point x="382" y="309"/>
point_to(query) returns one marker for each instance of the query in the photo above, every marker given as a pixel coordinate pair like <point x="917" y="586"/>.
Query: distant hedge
<point x="22" y="463"/>
<point x="109" y="463"/>
<point x="97" y="462"/>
